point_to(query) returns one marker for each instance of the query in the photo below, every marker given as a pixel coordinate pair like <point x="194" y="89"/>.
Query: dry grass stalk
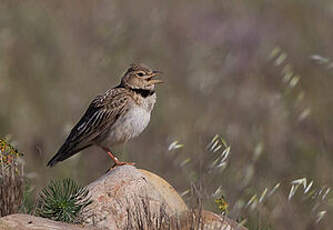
<point x="11" y="179"/>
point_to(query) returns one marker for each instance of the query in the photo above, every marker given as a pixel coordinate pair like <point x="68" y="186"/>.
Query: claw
<point x="120" y="163"/>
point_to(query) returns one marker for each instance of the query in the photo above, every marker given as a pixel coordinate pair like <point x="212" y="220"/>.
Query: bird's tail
<point x="64" y="153"/>
<point x="53" y="161"/>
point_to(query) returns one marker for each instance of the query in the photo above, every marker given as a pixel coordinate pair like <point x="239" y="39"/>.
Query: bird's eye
<point x="140" y="74"/>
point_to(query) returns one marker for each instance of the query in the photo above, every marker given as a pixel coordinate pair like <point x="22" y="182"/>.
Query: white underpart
<point x="131" y="124"/>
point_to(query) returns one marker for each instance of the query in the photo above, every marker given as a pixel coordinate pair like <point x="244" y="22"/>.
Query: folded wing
<point x="101" y="114"/>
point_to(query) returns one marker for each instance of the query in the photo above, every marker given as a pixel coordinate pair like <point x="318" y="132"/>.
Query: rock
<point x="27" y="222"/>
<point x="204" y="220"/>
<point x="166" y="190"/>
<point x="130" y="198"/>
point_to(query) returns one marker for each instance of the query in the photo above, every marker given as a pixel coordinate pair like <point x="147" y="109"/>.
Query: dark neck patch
<point x="144" y="92"/>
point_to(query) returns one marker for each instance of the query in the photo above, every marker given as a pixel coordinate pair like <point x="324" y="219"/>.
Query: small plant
<point x="11" y="179"/>
<point x="28" y="203"/>
<point x="9" y="156"/>
<point x="222" y="205"/>
<point x="63" y="200"/>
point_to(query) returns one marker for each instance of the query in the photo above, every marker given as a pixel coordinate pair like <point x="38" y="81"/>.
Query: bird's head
<point x="140" y="77"/>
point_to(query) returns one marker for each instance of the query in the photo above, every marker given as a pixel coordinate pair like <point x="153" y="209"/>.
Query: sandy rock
<point x="203" y="220"/>
<point x="126" y="197"/>
<point x="168" y="193"/>
<point x="27" y="222"/>
<point x="130" y="198"/>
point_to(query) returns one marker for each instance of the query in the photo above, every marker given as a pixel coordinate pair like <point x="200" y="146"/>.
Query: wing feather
<point x="101" y="114"/>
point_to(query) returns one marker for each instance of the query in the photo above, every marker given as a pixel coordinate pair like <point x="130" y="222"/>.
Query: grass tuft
<point x="63" y="200"/>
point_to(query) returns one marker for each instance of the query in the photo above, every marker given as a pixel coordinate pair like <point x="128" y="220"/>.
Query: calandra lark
<point x="114" y="117"/>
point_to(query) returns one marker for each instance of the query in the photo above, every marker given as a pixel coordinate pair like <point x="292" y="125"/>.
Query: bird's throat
<point x="143" y="92"/>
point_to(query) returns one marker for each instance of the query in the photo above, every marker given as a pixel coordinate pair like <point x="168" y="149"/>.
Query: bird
<point x="114" y="117"/>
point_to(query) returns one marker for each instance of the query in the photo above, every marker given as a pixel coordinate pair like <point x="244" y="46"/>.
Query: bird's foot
<point x="115" y="159"/>
<point x="120" y="163"/>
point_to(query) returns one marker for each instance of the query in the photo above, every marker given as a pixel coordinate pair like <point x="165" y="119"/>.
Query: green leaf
<point x="63" y="200"/>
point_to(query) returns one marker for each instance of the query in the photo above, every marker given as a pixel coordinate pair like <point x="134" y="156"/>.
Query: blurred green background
<point x="258" y="73"/>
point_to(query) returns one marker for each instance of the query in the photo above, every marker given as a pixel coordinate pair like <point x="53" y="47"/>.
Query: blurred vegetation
<point x="11" y="179"/>
<point x="257" y="72"/>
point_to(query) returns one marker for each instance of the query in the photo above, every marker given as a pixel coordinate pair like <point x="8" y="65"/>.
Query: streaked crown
<point x="140" y="77"/>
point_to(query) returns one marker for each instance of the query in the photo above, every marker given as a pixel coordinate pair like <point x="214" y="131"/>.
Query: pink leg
<point x="115" y="159"/>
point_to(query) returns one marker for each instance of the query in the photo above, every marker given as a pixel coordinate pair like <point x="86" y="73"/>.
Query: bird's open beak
<point x="154" y="74"/>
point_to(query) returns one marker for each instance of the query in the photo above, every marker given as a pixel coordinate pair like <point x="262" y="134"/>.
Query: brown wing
<point x="101" y="114"/>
